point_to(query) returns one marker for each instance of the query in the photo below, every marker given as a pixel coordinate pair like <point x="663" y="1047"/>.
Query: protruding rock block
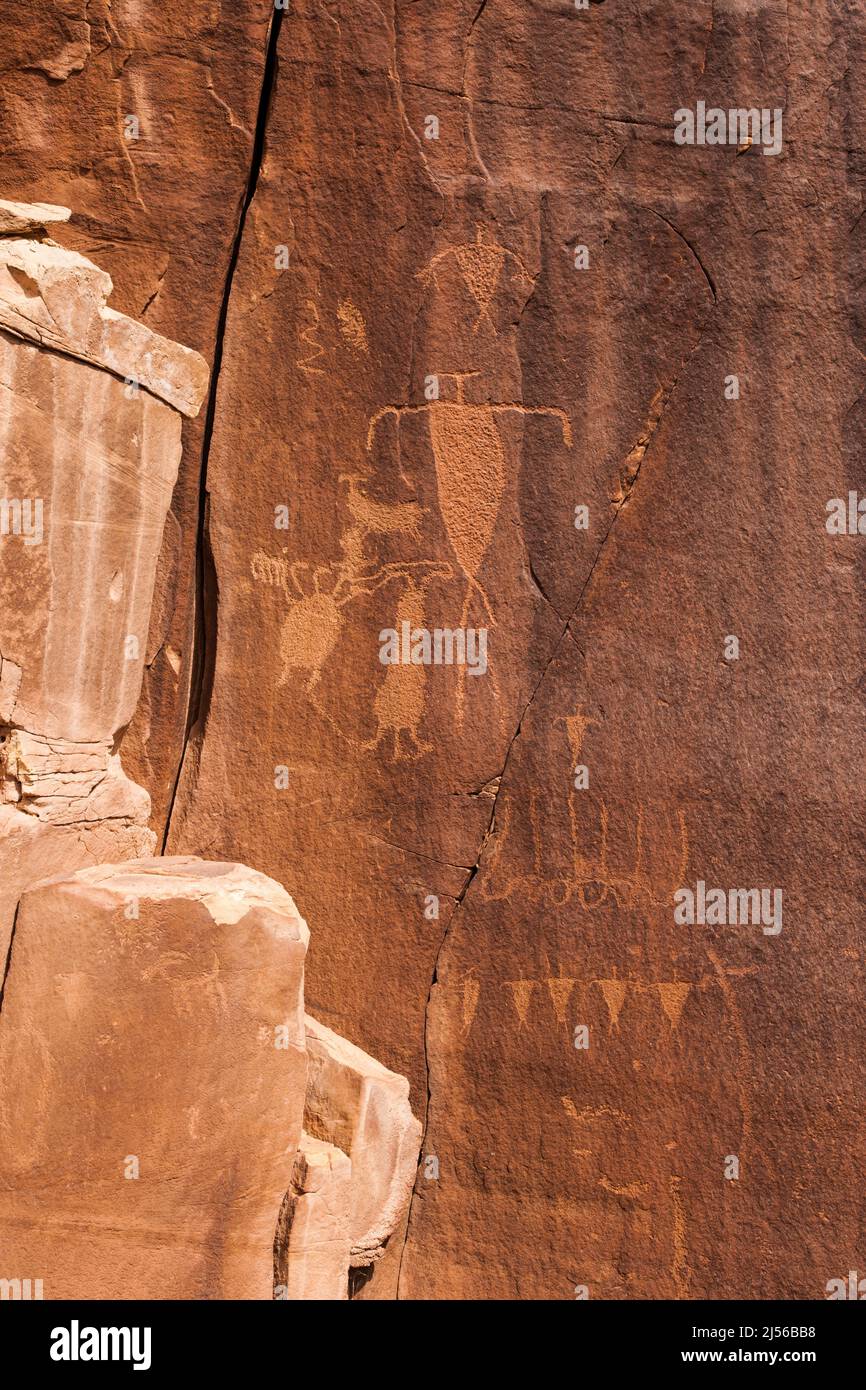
<point x="317" y="1244"/>
<point x="88" y="475"/>
<point x="32" y="850"/>
<point x="57" y="298"/>
<point x="18" y="219"/>
<point x="91" y="449"/>
<point x="152" y="1074"/>
<point x="361" y="1107"/>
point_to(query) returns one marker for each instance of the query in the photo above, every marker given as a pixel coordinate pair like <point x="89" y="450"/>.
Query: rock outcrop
<point x="357" y="1105"/>
<point x="177" y="983"/>
<point x="142" y="118"/>
<point x="153" y="1086"/>
<point x="57" y="298"/>
<point x="313" y="1243"/>
<point x="90" y="422"/>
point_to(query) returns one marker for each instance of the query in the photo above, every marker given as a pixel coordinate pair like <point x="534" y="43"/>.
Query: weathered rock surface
<point x="475" y="908"/>
<point x="141" y="118"/>
<point x="91" y="452"/>
<point x="152" y="1072"/>
<point x="58" y="299"/>
<point x="156" y="1067"/>
<point x="317" y="1214"/>
<point x="583" y="290"/>
<point x="357" y="1105"/>
<point x="32" y="849"/>
<point x="23" y="218"/>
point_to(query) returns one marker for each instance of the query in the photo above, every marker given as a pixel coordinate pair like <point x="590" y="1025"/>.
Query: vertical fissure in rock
<point x="204" y="640"/>
<point x="7" y="964"/>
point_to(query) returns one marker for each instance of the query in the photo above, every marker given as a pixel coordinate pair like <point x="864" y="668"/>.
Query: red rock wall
<point x="560" y="1167"/>
<point x="159" y="213"/>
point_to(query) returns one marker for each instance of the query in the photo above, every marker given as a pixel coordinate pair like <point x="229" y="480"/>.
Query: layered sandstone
<point x="477" y="368"/>
<point x="358" y="1105"/>
<point x="57" y="298"/>
<point x="142" y="119"/>
<point x="316" y="1243"/>
<point x="90" y="420"/>
<point x="156" y="1068"/>
<point x="152" y="1073"/>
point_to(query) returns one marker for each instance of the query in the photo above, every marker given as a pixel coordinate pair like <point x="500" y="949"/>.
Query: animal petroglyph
<point x="317" y="594"/>
<point x="400" y="701"/>
<point x="372" y="518"/>
<point x="352" y="326"/>
<point x="314" y="622"/>
<point x="481" y="264"/>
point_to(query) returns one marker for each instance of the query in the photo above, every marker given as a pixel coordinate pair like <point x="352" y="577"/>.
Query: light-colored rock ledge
<point x="167" y="1000"/>
<point x="19" y="218"/>
<point x="57" y="298"/>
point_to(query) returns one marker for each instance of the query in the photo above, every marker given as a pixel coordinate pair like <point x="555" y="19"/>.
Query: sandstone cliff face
<point x="141" y="118"/>
<point x="485" y="380"/>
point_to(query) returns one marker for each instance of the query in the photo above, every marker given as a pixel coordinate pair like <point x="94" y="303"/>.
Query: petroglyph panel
<point x="481" y="340"/>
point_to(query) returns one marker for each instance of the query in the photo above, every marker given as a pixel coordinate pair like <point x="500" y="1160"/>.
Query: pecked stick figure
<point x="481" y="264"/>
